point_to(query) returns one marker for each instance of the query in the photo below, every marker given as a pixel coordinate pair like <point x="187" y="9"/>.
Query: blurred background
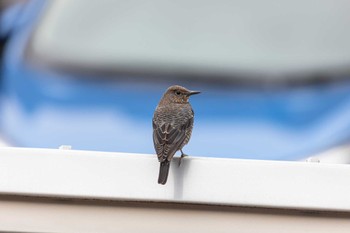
<point x="274" y="75"/>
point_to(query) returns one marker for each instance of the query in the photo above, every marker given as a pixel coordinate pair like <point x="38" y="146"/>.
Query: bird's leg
<point x="182" y="156"/>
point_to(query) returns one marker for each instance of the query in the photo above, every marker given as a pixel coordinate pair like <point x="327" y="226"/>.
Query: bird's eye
<point x="177" y="92"/>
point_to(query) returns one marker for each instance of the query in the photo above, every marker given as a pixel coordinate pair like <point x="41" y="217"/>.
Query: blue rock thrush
<point x="172" y="126"/>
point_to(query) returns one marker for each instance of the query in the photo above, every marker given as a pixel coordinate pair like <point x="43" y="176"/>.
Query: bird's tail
<point x="163" y="172"/>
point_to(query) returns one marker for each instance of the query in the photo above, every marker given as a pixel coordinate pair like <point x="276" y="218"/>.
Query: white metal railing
<point x="120" y="176"/>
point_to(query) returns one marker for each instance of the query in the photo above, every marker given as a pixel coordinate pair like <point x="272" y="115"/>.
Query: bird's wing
<point x="168" y="139"/>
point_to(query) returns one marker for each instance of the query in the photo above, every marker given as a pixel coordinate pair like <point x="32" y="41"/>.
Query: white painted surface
<point x="76" y="218"/>
<point x="118" y="176"/>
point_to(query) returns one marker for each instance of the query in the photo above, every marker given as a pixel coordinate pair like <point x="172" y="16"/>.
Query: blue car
<point x="273" y="79"/>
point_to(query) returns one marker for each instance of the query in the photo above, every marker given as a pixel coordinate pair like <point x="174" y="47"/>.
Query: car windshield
<point x="219" y="37"/>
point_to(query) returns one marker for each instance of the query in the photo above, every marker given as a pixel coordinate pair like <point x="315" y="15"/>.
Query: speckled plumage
<point x="172" y="126"/>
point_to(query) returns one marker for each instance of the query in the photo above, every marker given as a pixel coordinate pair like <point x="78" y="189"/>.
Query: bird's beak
<point x="193" y="93"/>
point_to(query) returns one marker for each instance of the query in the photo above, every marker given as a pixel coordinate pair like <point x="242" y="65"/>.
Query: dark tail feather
<point x="163" y="172"/>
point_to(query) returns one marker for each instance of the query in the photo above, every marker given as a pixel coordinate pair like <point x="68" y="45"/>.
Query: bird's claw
<point x="182" y="156"/>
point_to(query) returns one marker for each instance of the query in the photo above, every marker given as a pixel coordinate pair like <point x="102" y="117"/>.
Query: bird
<point x="172" y="126"/>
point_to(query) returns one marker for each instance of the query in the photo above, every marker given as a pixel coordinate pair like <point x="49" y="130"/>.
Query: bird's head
<point x="178" y="94"/>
